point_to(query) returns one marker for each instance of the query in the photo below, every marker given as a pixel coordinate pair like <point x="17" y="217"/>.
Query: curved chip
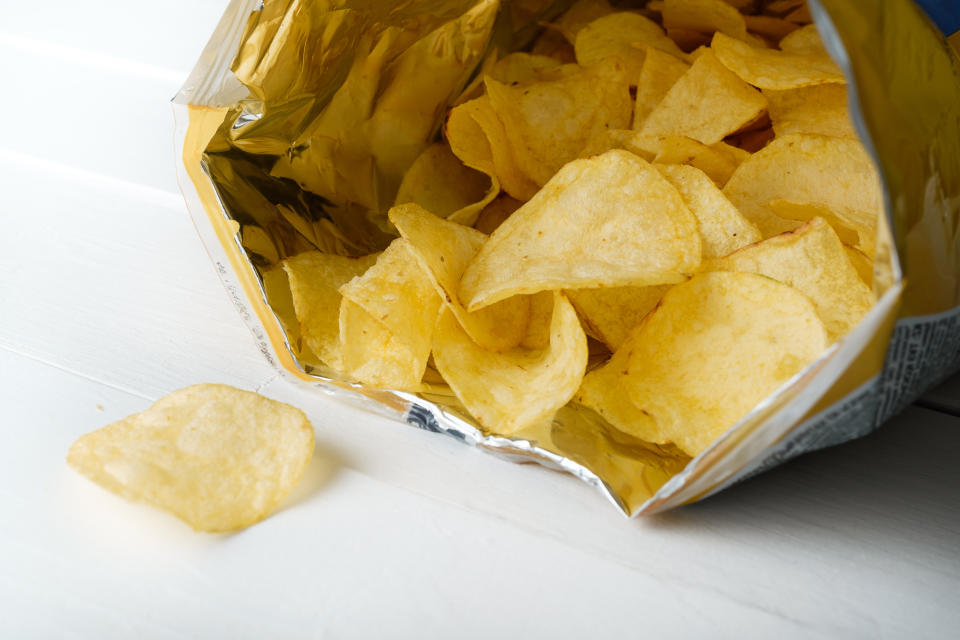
<point x="508" y="391"/>
<point x="707" y="103"/>
<point x="609" y="220"/>
<point x="218" y="458"/>
<point x="444" y="249"/>
<point x="612" y="313"/>
<point x="660" y="71"/>
<point x="819" y="109"/>
<point x="579" y="15"/>
<point x="716" y="346"/>
<point x="722" y="228"/>
<point x="805" y="41"/>
<point x="548" y="123"/>
<point x="315" y="280"/>
<point x="706" y="16"/>
<point x="441" y="184"/>
<point x="526" y="68"/>
<point x="772" y="69"/>
<point x="622" y="34"/>
<point x="718" y="161"/>
<point x="834" y="173"/>
<point x="812" y="260"/>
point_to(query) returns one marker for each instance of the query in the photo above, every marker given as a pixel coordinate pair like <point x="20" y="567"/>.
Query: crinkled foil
<point x="301" y="117"/>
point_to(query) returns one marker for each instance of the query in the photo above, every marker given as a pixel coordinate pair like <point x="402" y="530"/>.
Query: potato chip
<point x="834" y="173"/>
<point x="804" y="41"/>
<point x="440" y="183"/>
<point x="774" y="28"/>
<point x="857" y="230"/>
<point x="611" y="313"/>
<point x="772" y="69"/>
<point x="605" y="391"/>
<point x="688" y="40"/>
<point x="579" y="15"/>
<point x="782" y="7"/>
<point x="537" y="335"/>
<point x="621" y="35"/>
<point x="722" y="228"/>
<point x="399" y="294"/>
<point x="548" y="123"/>
<point x="495" y="213"/>
<point x="819" y="109"/>
<point x="660" y="71"/>
<point x="444" y="249"/>
<point x="633" y="141"/>
<point x="477" y="136"/>
<point x="374" y="355"/>
<point x="707" y="104"/>
<point x="218" y="458"/>
<point x="800" y="15"/>
<point x="718" y="160"/>
<point x="862" y="263"/>
<point x="508" y="391"/>
<point x="315" y="281"/>
<point x="714" y="348"/>
<point x="525" y="68"/>
<point x="812" y="261"/>
<point x="705" y="16"/>
<point x="604" y="221"/>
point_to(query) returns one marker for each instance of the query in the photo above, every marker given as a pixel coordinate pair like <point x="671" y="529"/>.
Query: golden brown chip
<point x="660" y="71"/>
<point x="633" y="141"/>
<point x="548" y="123"/>
<point x="718" y="161"/>
<point x="804" y="41"/>
<point x="772" y="69"/>
<point x="374" y="355"/>
<point x="819" y="109"/>
<point x="722" y="228"/>
<point x="707" y="104"/>
<point x="621" y="35"/>
<point x="444" y="249"/>
<point x="857" y="230"/>
<point x="508" y="391"/>
<point x="705" y="16"/>
<point x="609" y="220"/>
<point x="441" y="184"/>
<point x="315" y="281"/>
<point x="526" y="68"/>
<point x="688" y="40"/>
<point x="611" y="313"/>
<point x="579" y="15"/>
<point x="714" y="348"/>
<point x="834" y="173"/>
<point x="218" y="458"/>
<point x="812" y="260"/>
<point x="774" y="28"/>
<point x="399" y="294"/>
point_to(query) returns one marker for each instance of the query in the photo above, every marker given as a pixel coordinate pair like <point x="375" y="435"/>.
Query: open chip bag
<point x="659" y="245"/>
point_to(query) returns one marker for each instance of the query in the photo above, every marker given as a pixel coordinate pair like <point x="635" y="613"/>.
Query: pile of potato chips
<point x="662" y="214"/>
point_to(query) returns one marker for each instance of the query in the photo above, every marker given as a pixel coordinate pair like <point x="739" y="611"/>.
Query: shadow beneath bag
<point x="901" y="483"/>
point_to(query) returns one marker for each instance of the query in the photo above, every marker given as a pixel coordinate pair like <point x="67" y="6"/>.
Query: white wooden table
<point x="108" y="300"/>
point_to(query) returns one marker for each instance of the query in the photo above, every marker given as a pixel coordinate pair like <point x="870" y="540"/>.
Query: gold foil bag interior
<point x="302" y="116"/>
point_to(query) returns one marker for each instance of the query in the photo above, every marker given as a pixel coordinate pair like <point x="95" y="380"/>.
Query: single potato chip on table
<point x="218" y="458"/>
<point x="604" y="221"/>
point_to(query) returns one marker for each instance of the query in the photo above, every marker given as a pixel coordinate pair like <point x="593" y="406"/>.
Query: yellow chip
<point x="812" y="261"/>
<point x="508" y="391"/>
<point x="579" y="15"/>
<point x="374" y="355"/>
<point x="604" y="221"/>
<point x="444" y="249"/>
<point x="774" y="28"/>
<point x="834" y="173"/>
<point x="707" y="104"/>
<point x="705" y="16"/>
<point x="715" y="347"/>
<point x="611" y="313"/>
<point x="718" y="160"/>
<point x="772" y="69"/>
<point x="547" y="124"/>
<point x="537" y="335"/>
<point x="495" y="213"/>
<point x="857" y="228"/>
<point x="862" y="263"/>
<point x="660" y="71"/>
<point x="399" y="294"/>
<point x="218" y="458"/>
<point x="820" y="109"/>
<point x="315" y="281"/>
<point x="477" y="136"/>
<point x="644" y="146"/>
<point x="722" y="228"/>
<point x="782" y="7"/>
<point x="441" y="184"/>
<point x="804" y="41"/>
<point x="525" y="68"/>
<point x="621" y="35"/>
<point x="605" y="391"/>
